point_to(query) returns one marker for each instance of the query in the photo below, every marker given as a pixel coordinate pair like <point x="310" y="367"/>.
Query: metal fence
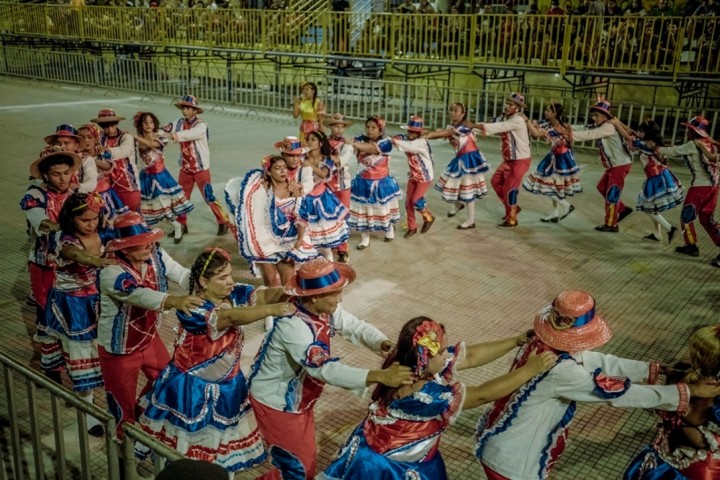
<point x="670" y="46"/>
<point x="43" y="422"/>
<point x="272" y="91"/>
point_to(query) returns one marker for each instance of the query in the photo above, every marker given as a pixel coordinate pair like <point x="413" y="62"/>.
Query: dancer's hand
<point x="705" y="389"/>
<point x="393" y="376"/>
<point x="386" y="347"/>
<point x="542" y="362"/>
<point x="184" y="303"/>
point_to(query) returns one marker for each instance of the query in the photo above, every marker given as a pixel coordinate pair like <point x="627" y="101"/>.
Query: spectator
<point x="340" y="19"/>
<point x="707" y="8"/>
<point x="663" y="9"/>
<point x="612" y="9"/>
<point x="555" y="8"/>
<point x="406" y="7"/>
<point x="635" y="9"/>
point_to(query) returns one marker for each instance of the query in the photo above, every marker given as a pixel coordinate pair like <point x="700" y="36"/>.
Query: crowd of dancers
<point x="99" y="279"/>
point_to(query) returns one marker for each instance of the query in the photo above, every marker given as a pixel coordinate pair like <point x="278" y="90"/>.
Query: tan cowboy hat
<point x="53" y="152"/>
<point x="107" y="115"/>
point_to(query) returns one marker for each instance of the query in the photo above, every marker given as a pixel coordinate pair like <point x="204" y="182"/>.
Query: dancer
<point x="294" y="152"/>
<point x="463" y="180"/>
<point x="556" y="174"/>
<point x="42" y="204"/>
<point x="310" y="109"/>
<point x="68" y="139"/>
<point x="120" y="152"/>
<point x="400" y="437"/>
<point x="687" y="446"/>
<point x="295" y="362"/>
<point x="320" y="211"/>
<point x="191" y="132"/>
<point x="91" y="148"/>
<point x="420" y="176"/>
<point x="162" y="197"/>
<point x="616" y="160"/>
<point x="132" y="295"/>
<point x="199" y="405"/>
<point x="374" y="192"/>
<point x="509" y="175"/>
<point x="701" y="198"/>
<point x="340" y="180"/>
<point x="74" y="300"/>
<point x="545" y="406"/>
<point x="660" y="191"/>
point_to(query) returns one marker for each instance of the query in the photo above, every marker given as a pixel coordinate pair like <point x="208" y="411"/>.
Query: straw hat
<point x="602" y="106"/>
<point x="517" y="99"/>
<point x="291" y="146"/>
<point x="319" y="276"/>
<point x="131" y="231"/>
<point x="337" y="119"/>
<point x="415" y="124"/>
<point x="699" y="125"/>
<point x="63" y="131"/>
<point x="571" y="324"/>
<point x="107" y="115"/>
<point x="53" y="152"/>
<point x="189" y="101"/>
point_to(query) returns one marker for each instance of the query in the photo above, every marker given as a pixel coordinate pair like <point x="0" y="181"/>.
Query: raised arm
<point x="443" y="133"/>
<point x="482" y="353"/>
<point x="244" y="315"/>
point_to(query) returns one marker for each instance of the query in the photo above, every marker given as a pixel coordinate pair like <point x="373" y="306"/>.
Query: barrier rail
<point x="665" y="45"/>
<point x="34" y="408"/>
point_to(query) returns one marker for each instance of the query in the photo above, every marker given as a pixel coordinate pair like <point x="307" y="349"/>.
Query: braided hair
<point x="207" y="265"/>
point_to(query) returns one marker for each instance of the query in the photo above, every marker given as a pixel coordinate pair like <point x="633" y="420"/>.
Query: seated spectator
<point x="555" y="8"/>
<point x="707" y="8"/>
<point x="635" y="9"/>
<point x="663" y="9"/>
<point x="612" y="9"/>
<point x="406" y="7"/>
<point x="425" y="7"/>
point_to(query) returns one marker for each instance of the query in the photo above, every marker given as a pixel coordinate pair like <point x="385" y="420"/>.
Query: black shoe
<point x="607" y="228"/>
<point x="625" y="212"/>
<point x="570" y="210"/>
<point x="507" y="224"/>
<point x="426" y="226"/>
<point x="30" y="301"/>
<point x="362" y="246"/>
<point x="465" y="227"/>
<point x="343" y="257"/>
<point x="222" y="229"/>
<point x="689" y="249"/>
<point x="97" y="431"/>
<point x="716" y="262"/>
<point x="410" y="232"/>
<point x="550" y="220"/>
<point x="671" y="234"/>
<point x="177" y="239"/>
<point x="455" y="210"/>
<point x="651" y="237"/>
<point x="388" y="239"/>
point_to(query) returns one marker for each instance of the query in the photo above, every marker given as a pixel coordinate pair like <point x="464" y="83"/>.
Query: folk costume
<point x="340" y="180"/>
<point x="463" y="180"/>
<point x="523" y="435"/>
<point x="199" y="403"/>
<point x="192" y="135"/>
<point x="131" y="302"/>
<point x="87" y="175"/>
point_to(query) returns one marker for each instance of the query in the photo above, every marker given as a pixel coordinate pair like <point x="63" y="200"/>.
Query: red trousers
<point x="344" y="197"/>
<point x="700" y="203"/>
<point x="202" y="179"/>
<point x="610" y="186"/>
<point x="415" y="200"/>
<point x="121" y="373"/>
<point x="131" y="199"/>
<point x="292" y="434"/>
<point x="506" y="182"/>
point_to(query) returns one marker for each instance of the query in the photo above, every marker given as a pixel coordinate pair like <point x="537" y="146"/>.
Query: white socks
<point x="91" y="421"/>
<point x="365" y="239"/>
<point x="326" y="252"/>
<point x="470" y="207"/>
<point x="390" y="233"/>
<point x="554" y="212"/>
<point x="564" y="203"/>
<point x="178" y="228"/>
<point x="659" y="222"/>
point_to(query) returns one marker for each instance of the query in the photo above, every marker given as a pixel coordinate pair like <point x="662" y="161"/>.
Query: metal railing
<point x="35" y="408"/>
<point x="669" y="46"/>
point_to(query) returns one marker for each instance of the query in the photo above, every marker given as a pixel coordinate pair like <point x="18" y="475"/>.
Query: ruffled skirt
<point x="463" y="180"/>
<point x="555" y="176"/>
<point x="660" y="193"/>
<point x="374" y="204"/>
<point x="161" y="197"/>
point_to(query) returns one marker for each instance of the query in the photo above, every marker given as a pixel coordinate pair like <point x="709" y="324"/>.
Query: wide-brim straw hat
<point x="107" y="115"/>
<point x="415" y="124"/>
<point x="337" y="119"/>
<point x="189" y="101"/>
<point x="571" y="324"/>
<point x="291" y="146"/>
<point x="131" y="230"/>
<point x="53" y="152"/>
<point x="67" y="131"/>
<point x="699" y="125"/>
<point x="517" y="99"/>
<point x="319" y="276"/>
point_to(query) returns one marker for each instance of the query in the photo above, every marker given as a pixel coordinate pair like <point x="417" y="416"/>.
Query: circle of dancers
<point x="99" y="281"/>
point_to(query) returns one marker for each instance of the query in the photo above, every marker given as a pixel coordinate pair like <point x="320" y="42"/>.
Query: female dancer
<point x="161" y="196"/>
<point x="399" y="439"/>
<point x="660" y="191"/>
<point x="463" y="180"/>
<point x="310" y="109"/>
<point x="687" y="446"/>
<point x="91" y="134"/>
<point x="198" y="404"/>
<point x="374" y="192"/>
<point x="320" y="211"/>
<point x="74" y="300"/>
<point x="556" y="174"/>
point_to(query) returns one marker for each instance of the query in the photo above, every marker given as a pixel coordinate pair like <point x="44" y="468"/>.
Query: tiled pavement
<point x="483" y="284"/>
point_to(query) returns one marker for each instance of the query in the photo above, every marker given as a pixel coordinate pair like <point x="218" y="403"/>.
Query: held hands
<point x="525" y="337"/>
<point x="100" y="262"/>
<point x="396" y="375"/>
<point x="47" y="226"/>
<point x="386" y="347"/>
<point x="184" y="303"/>
<point x="282" y="309"/>
<point x="542" y="362"/>
<point x="295" y="189"/>
<point x="705" y="389"/>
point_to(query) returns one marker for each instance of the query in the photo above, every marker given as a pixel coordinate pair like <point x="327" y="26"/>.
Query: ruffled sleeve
<point x="243" y="295"/>
<point x="58" y="241"/>
<point x="457" y="354"/>
<point x="434" y="401"/>
<point x="198" y="320"/>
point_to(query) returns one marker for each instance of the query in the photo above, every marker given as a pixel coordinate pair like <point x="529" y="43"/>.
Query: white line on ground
<point x="67" y="104"/>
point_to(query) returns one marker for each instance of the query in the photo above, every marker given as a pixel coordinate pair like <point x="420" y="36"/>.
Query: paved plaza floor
<point x="483" y="284"/>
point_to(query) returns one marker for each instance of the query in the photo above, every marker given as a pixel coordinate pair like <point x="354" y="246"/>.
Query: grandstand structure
<point x="366" y="60"/>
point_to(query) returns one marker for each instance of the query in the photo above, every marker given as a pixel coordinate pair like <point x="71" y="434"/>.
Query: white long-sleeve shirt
<point x="88" y="175"/>
<point x="607" y="139"/>
<point x="539" y="413"/>
<point x="514" y="134"/>
<point x="704" y="172"/>
<point x="192" y="135"/>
